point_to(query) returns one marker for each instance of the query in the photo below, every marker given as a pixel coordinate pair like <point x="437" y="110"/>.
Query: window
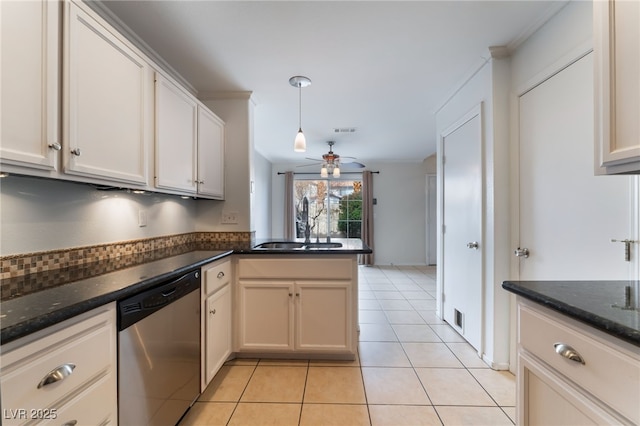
<point x="335" y="207"/>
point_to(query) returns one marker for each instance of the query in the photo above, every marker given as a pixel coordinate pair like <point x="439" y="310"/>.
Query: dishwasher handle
<point x="141" y="305"/>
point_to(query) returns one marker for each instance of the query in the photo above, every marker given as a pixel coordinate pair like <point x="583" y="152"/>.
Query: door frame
<point x="429" y="220"/>
<point x="477" y="110"/>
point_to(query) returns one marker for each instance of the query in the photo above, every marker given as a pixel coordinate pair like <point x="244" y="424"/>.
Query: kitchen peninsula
<point x="66" y="326"/>
<point x="47" y="297"/>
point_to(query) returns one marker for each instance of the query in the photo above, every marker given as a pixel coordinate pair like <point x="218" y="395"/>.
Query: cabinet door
<point x="617" y="87"/>
<point x="105" y="102"/>
<point x="210" y="154"/>
<point x="544" y="398"/>
<point x="266" y="315"/>
<point x="323" y="315"/>
<point x="218" y="331"/>
<point x="176" y="114"/>
<point x="29" y="87"/>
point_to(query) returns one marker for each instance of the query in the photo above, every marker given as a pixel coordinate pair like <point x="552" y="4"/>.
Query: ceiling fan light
<point x="300" y="143"/>
<point x="324" y="172"/>
<point x="336" y="172"/>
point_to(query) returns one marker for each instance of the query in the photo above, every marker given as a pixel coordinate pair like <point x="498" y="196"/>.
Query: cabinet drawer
<point x="94" y="406"/>
<point x="89" y="345"/>
<point x="607" y="373"/>
<point x="217" y="276"/>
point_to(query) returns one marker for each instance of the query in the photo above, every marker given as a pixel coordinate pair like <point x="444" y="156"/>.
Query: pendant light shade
<point x="300" y="142"/>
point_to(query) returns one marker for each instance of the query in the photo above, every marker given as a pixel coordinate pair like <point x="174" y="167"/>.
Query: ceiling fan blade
<point x="311" y="164"/>
<point x="352" y="165"/>
<point x="313" y="159"/>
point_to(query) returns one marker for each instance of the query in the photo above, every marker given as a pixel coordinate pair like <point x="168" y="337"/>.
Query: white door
<point x="567" y="215"/>
<point x="462" y="238"/>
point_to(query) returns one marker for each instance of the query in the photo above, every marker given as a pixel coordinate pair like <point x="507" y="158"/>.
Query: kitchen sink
<point x="322" y="245"/>
<point x="282" y="245"/>
<point x="288" y="245"/>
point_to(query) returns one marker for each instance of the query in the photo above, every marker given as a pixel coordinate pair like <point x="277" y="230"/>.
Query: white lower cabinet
<point x="555" y="387"/>
<point x="65" y="374"/>
<point x="295" y="316"/>
<point x="297" y="306"/>
<point x="216" y="319"/>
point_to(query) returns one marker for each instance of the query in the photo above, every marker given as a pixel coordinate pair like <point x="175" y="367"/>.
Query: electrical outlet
<point x="142" y="218"/>
<point x="230" y="218"/>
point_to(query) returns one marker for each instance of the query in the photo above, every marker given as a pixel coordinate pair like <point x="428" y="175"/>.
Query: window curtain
<point x="289" y="208"/>
<point x="367" y="216"/>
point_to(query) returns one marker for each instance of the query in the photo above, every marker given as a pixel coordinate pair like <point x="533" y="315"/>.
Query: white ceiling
<point x="382" y="67"/>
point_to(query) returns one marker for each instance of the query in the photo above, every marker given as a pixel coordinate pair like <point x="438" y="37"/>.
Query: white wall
<point x="399" y="216"/>
<point x="237" y="113"/>
<point x="262" y="209"/>
<point x="41" y="214"/>
<point x="548" y="49"/>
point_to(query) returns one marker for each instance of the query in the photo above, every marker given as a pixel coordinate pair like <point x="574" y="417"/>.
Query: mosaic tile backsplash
<point x="25" y="273"/>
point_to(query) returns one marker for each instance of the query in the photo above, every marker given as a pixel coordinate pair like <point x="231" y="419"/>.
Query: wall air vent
<point x="344" y="130"/>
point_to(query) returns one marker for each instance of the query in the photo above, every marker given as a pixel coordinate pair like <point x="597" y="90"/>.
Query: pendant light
<point x="300" y="143"/>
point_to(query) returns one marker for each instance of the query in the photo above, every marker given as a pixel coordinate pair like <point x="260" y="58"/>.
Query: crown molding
<point x="157" y="60"/>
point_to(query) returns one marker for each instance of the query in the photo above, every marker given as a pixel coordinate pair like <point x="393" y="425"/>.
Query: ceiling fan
<point x="332" y="162"/>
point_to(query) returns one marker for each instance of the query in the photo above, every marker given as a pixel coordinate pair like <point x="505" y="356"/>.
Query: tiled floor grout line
<point x="400" y="282"/>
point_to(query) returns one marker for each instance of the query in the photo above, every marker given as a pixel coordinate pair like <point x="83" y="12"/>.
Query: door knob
<point x="473" y="245"/>
<point x="522" y="252"/>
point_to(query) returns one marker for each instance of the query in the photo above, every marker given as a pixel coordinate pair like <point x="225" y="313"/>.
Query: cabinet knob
<point x="57" y="374"/>
<point x="76" y="152"/>
<point x="220" y="274"/>
<point x="568" y="352"/>
<point x="55" y="146"/>
<point x="473" y="245"/>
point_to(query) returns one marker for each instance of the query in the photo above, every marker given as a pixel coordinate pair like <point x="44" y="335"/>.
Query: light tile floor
<point x="412" y="369"/>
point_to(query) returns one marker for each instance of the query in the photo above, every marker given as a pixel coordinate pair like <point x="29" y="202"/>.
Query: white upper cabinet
<point x="617" y="86"/>
<point x="189" y="143"/>
<point x="176" y="137"/>
<point x="105" y="104"/>
<point x="210" y="154"/>
<point x="29" y="87"/>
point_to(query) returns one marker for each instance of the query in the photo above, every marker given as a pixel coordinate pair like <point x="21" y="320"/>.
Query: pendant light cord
<point x="300" y="106"/>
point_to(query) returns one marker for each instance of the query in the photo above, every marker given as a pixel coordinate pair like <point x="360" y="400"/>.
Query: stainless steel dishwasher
<point x="159" y="352"/>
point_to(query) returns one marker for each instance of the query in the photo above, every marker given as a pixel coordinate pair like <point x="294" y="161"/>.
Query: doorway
<point x="462" y="234"/>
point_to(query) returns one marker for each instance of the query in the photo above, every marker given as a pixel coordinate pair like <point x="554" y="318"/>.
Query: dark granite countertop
<point x="600" y="304"/>
<point x="36" y="301"/>
<point x="349" y="246"/>
<point x="20" y="316"/>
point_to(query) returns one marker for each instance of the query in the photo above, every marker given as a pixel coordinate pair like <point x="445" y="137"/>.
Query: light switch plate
<point x="142" y="218"/>
<point x="230" y="218"/>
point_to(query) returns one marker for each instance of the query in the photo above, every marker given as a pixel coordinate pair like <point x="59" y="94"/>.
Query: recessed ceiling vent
<point x="344" y="130"/>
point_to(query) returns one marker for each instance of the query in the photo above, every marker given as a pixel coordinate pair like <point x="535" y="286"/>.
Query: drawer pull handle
<point x="220" y="274"/>
<point x="71" y="423"/>
<point x="57" y="374"/>
<point x="568" y="352"/>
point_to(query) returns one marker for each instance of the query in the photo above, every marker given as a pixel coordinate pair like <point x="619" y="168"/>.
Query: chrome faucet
<point x="305" y="219"/>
